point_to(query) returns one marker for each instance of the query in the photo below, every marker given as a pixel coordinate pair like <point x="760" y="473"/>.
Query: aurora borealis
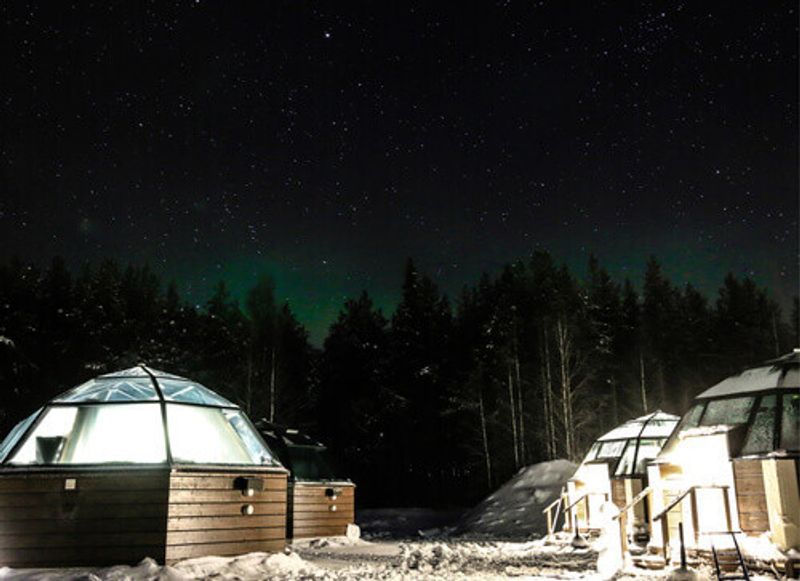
<point x="326" y="142"/>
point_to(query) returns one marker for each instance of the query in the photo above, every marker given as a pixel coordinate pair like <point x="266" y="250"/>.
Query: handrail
<point x="691" y="491"/>
<point x="636" y="500"/>
<point x="580" y="498"/>
<point x="683" y="495"/>
<point x="549" y="511"/>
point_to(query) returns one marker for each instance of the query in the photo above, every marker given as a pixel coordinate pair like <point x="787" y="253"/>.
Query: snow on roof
<point x="655" y="425"/>
<point x="781" y="373"/>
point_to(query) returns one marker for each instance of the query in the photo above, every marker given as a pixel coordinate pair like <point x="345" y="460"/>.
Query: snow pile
<point x="329" y="542"/>
<point x="251" y="566"/>
<point x="472" y="557"/>
<point x="147" y="570"/>
<point x="514" y="511"/>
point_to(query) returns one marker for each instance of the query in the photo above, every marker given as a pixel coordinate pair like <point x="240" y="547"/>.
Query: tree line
<point x="435" y="404"/>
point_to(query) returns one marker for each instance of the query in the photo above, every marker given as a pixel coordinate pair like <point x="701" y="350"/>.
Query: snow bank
<point x="514" y="511"/>
<point x="253" y="566"/>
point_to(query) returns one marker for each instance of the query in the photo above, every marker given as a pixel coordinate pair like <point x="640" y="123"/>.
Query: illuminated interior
<point x="136" y="416"/>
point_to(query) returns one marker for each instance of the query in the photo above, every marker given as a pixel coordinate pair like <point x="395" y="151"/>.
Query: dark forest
<point x="434" y="404"/>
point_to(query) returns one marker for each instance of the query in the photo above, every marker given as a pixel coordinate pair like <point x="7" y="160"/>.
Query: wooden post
<point x="549" y="523"/>
<point x="665" y="536"/>
<point x="695" y="516"/>
<point x="726" y="501"/>
<point x="623" y="530"/>
<point x="586" y="502"/>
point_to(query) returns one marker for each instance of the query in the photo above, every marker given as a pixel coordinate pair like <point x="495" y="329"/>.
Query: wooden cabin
<point x="615" y="469"/>
<point x="733" y="464"/>
<point x="133" y="464"/>
<point x="321" y="501"/>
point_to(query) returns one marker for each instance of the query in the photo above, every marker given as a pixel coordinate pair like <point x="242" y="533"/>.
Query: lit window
<point x="96" y="434"/>
<point x="205" y="435"/>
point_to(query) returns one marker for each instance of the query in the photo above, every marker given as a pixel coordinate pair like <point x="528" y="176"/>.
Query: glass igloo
<point x="137" y="416"/>
<point x="627" y="448"/>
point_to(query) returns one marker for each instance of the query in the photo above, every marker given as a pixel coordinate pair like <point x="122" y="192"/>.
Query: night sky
<point x="324" y="142"/>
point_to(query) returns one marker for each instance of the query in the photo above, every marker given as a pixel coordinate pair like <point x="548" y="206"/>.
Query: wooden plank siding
<point x="110" y="517"/>
<point x="315" y="514"/>
<point x="121" y="516"/>
<point x="618" y="496"/>
<point x="751" y="499"/>
<point x="206" y="514"/>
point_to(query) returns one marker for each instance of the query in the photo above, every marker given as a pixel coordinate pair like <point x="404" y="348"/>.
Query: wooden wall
<point x="751" y="499"/>
<point x="315" y="514"/>
<point x="206" y="514"/>
<point x="82" y="518"/>
<point x="108" y="517"/>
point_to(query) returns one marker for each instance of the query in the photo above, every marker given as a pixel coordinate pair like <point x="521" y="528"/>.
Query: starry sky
<point x="325" y="142"/>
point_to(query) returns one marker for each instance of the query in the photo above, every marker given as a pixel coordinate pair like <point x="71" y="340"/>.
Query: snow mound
<point x="250" y="566"/>
<point x="514" y="511"/>
<point x="253" y="566"/>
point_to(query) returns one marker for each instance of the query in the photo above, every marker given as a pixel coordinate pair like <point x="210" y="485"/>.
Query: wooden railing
<point x="623" y="515"/>
<point x="691" y="492"/>
<point x="585" y="499"/>
<point x="548" y="510"/>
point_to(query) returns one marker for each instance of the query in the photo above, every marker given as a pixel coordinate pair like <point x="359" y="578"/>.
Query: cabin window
<point x="728" y="412"/>
<point x="648" y="449"/>
<point x="96" y="434"/>
<point x="625" y="465"/>
<point x="790" y="422"/>
<point x="762" y="431"/>
<point x="611" y="449"/>
<point x="203" y="435"/>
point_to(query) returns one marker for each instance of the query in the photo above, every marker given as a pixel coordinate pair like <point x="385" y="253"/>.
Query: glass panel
<point x="97" y="434"/>
<point x="189" y="392"/>
<point x="691" y="419"/>
<point x="648" y="449"/>
<point x="259" y="453"/>
<point x="790" y="422"/>
<point x="111" y="390"/>
<point x="208" y="435"/>
<point x="626" y="462"/>
<point x="611" y="449"/>
<point x="312" y="463"/>
<point x="15" y="434"/>
<point x="762" y="432"/>
<point x="592" y="452"/>
<point x="728" y="412"/>
<point x="659" y="428"/>
<point x="138" y="372"/>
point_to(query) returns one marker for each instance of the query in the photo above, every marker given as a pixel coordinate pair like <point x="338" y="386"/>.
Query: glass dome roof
<point x="628" y="447"/>
<point x="165" y="419"/>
